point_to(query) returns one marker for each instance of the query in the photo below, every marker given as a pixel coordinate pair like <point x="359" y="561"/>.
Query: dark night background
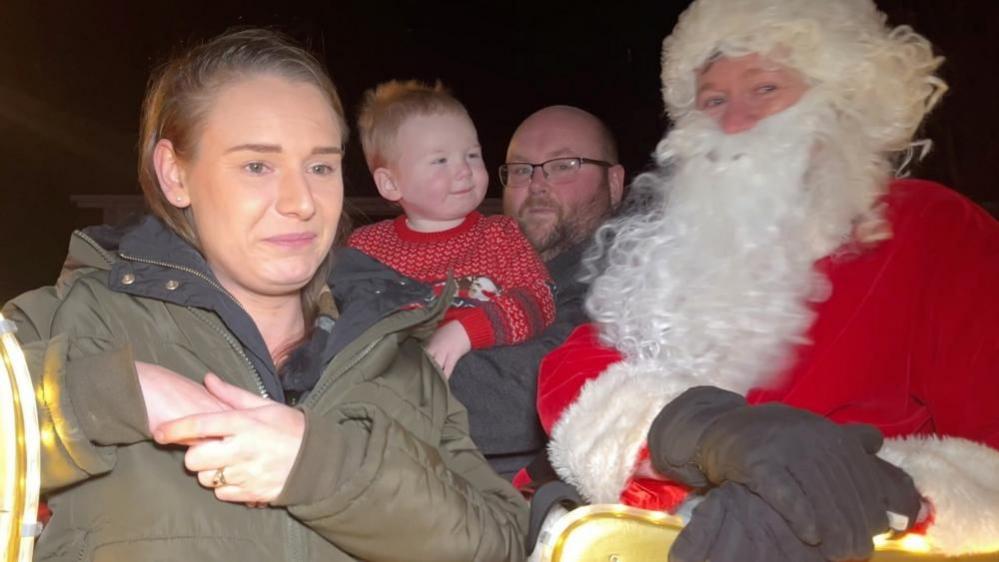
<point x="72" y="76"/>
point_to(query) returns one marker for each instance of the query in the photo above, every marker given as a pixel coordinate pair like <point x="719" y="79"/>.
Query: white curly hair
<point x="884" y="77"/>
<point x="710" y="270"/>
<point x="880" y="80"/>
<point x="712" y="278"/>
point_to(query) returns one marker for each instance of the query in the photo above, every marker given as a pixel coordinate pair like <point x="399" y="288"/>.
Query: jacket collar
<point x="366" y="290"/>
<point x="154" y="262"/>
<point x="149" y="260"/>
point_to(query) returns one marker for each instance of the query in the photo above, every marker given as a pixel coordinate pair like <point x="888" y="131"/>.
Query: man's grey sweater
<point x="498" y="385"/>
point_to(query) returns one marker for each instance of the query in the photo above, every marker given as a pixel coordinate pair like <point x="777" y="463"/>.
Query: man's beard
<point x="714" y="282"/>
<point x="569" y="227"/>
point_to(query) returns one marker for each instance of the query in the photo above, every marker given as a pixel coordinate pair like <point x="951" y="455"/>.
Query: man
<point x="779" y="265"/>
<point x="558" y="210"/>
<point x="559" y="215"/>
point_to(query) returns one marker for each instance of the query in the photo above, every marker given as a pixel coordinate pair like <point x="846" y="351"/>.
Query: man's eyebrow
<point x="566" y="151"/>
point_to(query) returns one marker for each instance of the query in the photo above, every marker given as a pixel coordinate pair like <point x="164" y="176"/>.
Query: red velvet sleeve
<point x="562" y="375"/>
<point x="565" y="370"/>
<point x="957" y="371"/>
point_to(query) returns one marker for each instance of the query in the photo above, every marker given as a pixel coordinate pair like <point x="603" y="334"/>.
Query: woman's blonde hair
<point x="180" y="95"/>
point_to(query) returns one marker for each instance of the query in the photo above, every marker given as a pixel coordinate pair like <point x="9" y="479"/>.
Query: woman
<point x="241" y="166"/>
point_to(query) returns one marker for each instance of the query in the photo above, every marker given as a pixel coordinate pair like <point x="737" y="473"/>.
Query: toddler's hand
<point x="447" y="345"/>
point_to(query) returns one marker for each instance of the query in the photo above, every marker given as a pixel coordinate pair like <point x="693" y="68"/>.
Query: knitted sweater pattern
<point x="505" y="293"/>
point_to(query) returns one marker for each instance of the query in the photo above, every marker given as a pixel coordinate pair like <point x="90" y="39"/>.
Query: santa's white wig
<point x="880" y="80"/>
<point x="883" y="77"/>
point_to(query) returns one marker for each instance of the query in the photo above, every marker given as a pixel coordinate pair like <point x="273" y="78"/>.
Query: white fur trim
<point x="961" y="479"/>
<point x="595" y="443"/>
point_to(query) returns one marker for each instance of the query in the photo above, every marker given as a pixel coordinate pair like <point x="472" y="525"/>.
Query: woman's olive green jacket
<point x="386" y="470"/>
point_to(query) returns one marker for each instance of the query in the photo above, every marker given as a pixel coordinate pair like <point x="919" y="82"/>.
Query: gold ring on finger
<point x="218" y="479"/>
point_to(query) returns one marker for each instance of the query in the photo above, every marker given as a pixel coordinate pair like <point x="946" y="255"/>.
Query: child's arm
<point x="525" y="305"/>
<point x="448" y="344"/>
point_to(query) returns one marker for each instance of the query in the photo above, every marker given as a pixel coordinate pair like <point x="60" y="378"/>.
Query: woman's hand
<point x="448" y="344"/>
<point x="170" y="396"/>
<point x="246" y="453"/>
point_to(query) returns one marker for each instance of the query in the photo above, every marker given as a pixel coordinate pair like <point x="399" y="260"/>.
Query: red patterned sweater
<point x="505" y="293"/>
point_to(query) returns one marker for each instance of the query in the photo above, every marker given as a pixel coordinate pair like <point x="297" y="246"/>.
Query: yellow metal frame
<point x="618" y="533"/>
<point x="19" y="451"/>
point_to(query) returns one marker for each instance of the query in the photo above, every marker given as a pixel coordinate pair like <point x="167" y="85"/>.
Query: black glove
<point x="823" y="478"/>
<point x="734" y="525"/>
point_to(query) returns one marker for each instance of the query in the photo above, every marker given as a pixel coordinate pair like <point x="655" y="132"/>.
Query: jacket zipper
<point x="332" y="374"/>
<point x="235" y="345"/>
<point x="327" y="379"/>
<point x="93" y="244"/>
<point x="201" y="314"/>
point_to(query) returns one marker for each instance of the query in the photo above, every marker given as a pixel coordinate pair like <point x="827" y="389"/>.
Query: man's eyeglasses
<point x="557" y="170"/>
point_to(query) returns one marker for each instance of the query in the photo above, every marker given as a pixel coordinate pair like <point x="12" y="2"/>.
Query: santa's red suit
<point x="907" y="341"/>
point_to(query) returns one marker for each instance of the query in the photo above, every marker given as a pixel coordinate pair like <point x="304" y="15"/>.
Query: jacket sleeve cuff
<point x="329" y="454"/>
<point x="107" y="399"/>
<point x="71" y="454"/>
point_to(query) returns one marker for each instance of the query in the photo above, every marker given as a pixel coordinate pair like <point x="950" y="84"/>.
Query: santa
<point x="784" y="299"/>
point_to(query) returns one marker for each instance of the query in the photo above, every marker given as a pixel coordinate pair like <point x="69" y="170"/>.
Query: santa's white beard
<point x="715" y="282"/>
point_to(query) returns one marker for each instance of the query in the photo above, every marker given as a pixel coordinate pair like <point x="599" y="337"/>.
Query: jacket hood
<point x="366" y="290"/>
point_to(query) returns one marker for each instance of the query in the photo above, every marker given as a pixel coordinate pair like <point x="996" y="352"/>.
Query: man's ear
<point x="386" y="184"/>
<point x="615" y="177"/>
<point x="170" y="173"/>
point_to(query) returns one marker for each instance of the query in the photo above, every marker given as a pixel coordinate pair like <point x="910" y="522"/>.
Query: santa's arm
<point x="958" y="377"/>
<point x="956" y="366"/>
<point x="595" y="446"/>
<point x="597" y="410"/>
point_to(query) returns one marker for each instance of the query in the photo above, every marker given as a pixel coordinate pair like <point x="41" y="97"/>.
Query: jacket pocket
<point x="181" y="549"/>
<point x="66" y="544"/>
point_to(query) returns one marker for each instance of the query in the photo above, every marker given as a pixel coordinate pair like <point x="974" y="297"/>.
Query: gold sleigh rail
<point x="618" y="533"/>
<point x="19" y="452"/>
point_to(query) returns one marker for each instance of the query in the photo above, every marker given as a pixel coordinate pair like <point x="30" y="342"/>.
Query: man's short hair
<point x="608" y="143"/>
<point x="388" y="105"/>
